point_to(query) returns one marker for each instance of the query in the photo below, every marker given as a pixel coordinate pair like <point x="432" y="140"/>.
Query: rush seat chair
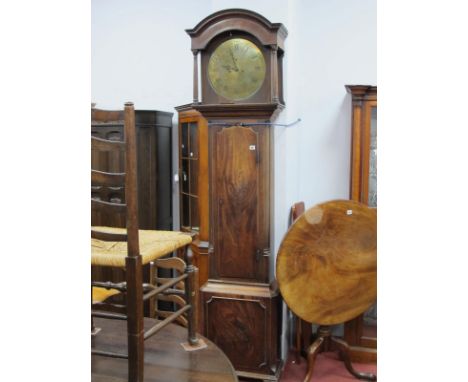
<point x="130" y="249"/>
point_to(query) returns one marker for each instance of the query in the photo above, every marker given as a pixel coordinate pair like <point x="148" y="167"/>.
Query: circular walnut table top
<point x="327" y="263"/>
<point x="165" y="358"/>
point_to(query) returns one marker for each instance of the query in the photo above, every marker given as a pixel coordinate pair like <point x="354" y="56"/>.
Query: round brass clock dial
<point x="236" y="69"/>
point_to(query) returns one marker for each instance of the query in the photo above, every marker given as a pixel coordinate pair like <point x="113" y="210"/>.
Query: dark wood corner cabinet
<point x="225" y="150"/>
<point x="154" y="157"/>
<point x="361" y="333"/>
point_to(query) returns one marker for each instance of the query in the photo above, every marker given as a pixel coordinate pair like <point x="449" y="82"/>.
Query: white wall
<point x="140" y="52"/>
<point x="331" y="43"/>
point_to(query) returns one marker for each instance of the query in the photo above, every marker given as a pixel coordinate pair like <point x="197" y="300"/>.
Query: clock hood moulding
<point x="267" y="111"/>
<point x="233" y="20"/>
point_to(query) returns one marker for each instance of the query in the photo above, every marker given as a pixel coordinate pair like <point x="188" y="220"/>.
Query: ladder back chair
<point x="130" y="248"/>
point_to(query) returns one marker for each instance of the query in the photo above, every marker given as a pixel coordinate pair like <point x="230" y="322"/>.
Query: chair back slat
<point x="107" y="207"/>
<point x="107" y="116"/>
<point x="178" y="265"/>
<point x="171" y="263"/>
<point x="100" y="144"/>
<point x="107" y="178"/>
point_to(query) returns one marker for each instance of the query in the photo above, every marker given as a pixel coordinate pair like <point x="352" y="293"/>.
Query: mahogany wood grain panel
<point x="240" y="202"/>
<point x="243" y="320"/>
<point x="238" y="326"/>
<point x="236" y="174"/>
<point x="327" y="262"/>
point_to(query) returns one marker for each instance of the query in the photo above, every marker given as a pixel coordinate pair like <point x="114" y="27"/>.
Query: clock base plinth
<point x="244" y="321"/>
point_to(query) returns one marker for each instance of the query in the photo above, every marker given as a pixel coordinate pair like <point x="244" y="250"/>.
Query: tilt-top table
<point x="327" y="271"/>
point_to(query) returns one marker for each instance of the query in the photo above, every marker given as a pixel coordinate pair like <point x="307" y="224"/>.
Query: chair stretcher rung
<point x="108" y="354"/>
<point x="164" y="286"/>
<point x="113" y="316"/>
<point x="122" y="286"/>
<point x="109" y="305"/>
<point x="177" y="292"/>
<point x="156" y="328"/>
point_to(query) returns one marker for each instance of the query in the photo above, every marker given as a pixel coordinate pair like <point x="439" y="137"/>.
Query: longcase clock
<point x="225" y="150"/>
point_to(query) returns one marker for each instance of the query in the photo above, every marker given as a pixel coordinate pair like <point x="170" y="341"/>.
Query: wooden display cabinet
<point x="361" y="333"/>
<point x="194" y="184"/>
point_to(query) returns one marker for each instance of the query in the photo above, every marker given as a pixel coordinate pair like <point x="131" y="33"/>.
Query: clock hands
<point x="234" y="61"/>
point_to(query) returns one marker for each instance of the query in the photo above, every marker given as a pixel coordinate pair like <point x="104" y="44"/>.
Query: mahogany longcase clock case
<point x="225" y="150"/>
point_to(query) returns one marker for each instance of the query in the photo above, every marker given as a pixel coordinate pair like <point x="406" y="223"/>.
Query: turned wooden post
<point x="274" y="72"/>
<point x="190" y="295"/>
<point x="195" y="76"/>
<point x="133" y="265"/>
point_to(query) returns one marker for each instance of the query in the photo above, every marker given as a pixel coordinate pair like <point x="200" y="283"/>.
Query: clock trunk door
<point x="237" y="202"/>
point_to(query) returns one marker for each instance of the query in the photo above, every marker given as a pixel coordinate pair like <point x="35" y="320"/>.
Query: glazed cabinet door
<point x="239" y="163"/>
<point x="361" y="332"/>
<point x="189" y="176"/>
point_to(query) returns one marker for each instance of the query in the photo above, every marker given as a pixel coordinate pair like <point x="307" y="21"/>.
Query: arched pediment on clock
<point x="221" y="22"/>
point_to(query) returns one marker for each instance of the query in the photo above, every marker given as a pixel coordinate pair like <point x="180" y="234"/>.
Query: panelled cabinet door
<point x="240" y="237"/>
<point x="244" y="322"/>
<point x="235" y="329"/>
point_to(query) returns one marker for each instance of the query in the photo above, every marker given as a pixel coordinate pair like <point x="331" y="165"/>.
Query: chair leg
<point x="135" y="329"/>
<point x="94" y="330"/>
<point x="152" y="303"/>
<point x="190" y="294"/>
<point x="92" y="319"/>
